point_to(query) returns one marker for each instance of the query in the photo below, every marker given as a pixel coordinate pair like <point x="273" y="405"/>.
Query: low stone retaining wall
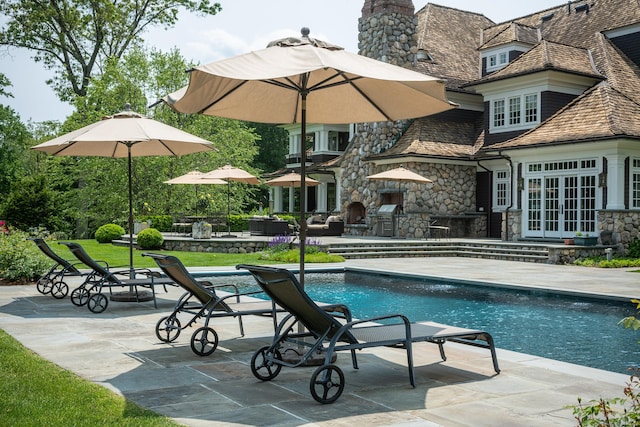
<point x="214" y="246"/>
<point x="568" y="254"/>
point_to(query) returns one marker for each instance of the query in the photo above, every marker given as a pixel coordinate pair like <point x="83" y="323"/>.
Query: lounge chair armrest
<point x="338" y="308"/>
<point x="404" y="319"/>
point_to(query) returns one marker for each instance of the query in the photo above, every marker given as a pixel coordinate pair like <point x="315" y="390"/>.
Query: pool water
<point x="577" y="330"/>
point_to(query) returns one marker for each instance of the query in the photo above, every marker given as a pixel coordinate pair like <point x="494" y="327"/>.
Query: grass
<point x="35" y="392"/>
<point x="118" y="256"/>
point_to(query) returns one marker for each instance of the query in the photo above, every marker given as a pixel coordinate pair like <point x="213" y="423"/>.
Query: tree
<point x="274" y="146"/>
<point x="72" y="38"/>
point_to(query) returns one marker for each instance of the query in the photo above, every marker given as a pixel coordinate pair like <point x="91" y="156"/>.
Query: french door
<point x="558" y="206"/>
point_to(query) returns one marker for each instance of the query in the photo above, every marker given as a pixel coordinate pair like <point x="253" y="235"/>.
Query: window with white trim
<point x="635" y="183"/>
<point x="515" y="112"/>
<point x="502" y="189"/>
<point x="496" y="61"/>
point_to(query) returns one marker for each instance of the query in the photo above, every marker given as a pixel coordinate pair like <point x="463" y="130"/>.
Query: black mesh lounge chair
<point x="201" y="301"/>
<point x="53" y="281"/>
<point x="325" y="331"/>
<point x="101" y="276"/>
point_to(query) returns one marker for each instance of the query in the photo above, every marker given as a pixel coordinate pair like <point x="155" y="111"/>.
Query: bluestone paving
<point x="118" y="349"/>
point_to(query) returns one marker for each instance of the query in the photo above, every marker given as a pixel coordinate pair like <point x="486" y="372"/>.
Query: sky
<point x="241" y="26"/>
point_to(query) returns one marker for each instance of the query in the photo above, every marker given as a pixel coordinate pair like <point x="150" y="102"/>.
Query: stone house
<point x="544" y="142"/>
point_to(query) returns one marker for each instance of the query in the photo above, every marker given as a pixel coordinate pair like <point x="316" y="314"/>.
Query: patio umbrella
<point x="126" y="134"/>
<point x="196" y="178"/>
<point x="291" y="180"/>
<point x="399" y="174"/>
<point x="230" y="173"/>
<point x="295" y="80"/>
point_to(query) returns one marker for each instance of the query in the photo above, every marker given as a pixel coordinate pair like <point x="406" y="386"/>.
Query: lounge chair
<point x="329" y="333"/>
<point x="90" y="291"/>
<point x="53" y="281"/>
<point x="201" y="301"/>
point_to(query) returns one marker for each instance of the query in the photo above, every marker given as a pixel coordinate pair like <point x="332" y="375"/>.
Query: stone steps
<point x="502" y="251"/>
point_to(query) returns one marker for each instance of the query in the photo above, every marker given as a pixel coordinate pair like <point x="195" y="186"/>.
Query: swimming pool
<point x="577" y="330"/>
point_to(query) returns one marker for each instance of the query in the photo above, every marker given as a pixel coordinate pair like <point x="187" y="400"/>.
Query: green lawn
<point x="37" y="393"/>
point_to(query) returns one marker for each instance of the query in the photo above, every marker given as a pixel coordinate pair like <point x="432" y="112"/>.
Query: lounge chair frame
<point x="332" y="330"/>
<point x="202" y="302"/>
<point x="52" y="282"/>
<point x="89" y="293"/>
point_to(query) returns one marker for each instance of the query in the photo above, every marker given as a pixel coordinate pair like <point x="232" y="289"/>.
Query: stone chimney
<point x="387" y="31"/>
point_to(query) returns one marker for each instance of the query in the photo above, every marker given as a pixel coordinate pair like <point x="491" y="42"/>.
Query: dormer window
<point x="497" y="61"/>
<point x="514" y="112"/>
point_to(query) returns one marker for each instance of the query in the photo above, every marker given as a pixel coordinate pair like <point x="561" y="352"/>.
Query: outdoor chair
<point x="331" y="332"/>
<point x="101" y="276"/>
<point x="201" y="301"/>
<point x="53" y="281"/>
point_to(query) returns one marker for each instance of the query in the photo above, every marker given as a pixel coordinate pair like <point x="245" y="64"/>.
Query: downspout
<point x="489" y="211"/>
<point x="506" y="211"/>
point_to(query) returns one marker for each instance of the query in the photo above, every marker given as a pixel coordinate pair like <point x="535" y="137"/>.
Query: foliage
<point x="273" y="146"/>
<point x="29" y="203"/>
<point x="73" y="38"/>
<point x="36" y="392"/>
<point x="109" y="232"/>
<point x="614" y="412"/>
<point x="150" y="238"/>
<point x="281" y="249"/>
<point x="160" y="222"/>
<point x="602" y="262"/>
<point x="14" y="144"/>
<point x="20" y="259"/>
<point x="634" y="248"/>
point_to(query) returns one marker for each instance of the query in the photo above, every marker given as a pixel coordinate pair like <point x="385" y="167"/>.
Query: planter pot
<point x="586" y="241"/>
<point x="139" y="226"/>
<point x="569" y="242"/>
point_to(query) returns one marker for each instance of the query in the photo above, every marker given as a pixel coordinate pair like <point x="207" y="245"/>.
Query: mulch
<point x="7" y="282"/>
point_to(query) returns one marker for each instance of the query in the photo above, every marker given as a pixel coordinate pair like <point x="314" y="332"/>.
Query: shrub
<point x="150" y="238"/>
<point x="108" y="232"/>
<point x="20" y="259"/>
<point x="634" y="248"/>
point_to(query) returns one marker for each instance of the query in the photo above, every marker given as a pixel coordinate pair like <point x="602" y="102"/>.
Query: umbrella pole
<point x="131" y="273"/>
<point x="303" y="184"/>
<point x="229" y="210"/>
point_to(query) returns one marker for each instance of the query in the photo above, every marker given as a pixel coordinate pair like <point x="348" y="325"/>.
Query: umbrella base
<point x="130" y="296"/>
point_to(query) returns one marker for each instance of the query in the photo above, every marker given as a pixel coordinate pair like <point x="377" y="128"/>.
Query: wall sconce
<point x="520" y="184"/>
<point x="602" y="179"/>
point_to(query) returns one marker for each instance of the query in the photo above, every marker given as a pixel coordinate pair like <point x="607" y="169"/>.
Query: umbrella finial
<point x="305" y="32"/>
<point x="127" y="107"/>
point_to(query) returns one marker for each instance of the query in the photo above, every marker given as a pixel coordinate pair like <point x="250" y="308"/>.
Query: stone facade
<point x="213" y="246"/>
<point x="622" y="224"/>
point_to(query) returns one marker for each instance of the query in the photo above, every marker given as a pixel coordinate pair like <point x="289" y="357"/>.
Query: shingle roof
<point x="438" y="136"/>
<point x="600" y="113"/>
<point x="510" y="32"/>
<point x="547" y="56"/>
<point x="451" y="37"/>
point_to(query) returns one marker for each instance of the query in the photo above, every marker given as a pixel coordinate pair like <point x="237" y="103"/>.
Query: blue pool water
<point x="571" y="329"/>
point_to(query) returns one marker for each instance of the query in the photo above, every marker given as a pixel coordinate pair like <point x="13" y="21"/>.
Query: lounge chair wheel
<point x="97" y="303"/>
<point x="79" y="296"/>
<point x="327" y="384"/>
<point x="261" y="366"/>
<point x="204" y="341"/>
<point x="43" y="286"/>
<point x="168" y="329"/>
<point x="59" y="289"/>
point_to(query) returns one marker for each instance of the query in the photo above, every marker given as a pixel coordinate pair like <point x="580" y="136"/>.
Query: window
<point x="497" y="60"/>
<point x="502" y="189"/>
<point x="493" y="61"/>
<point x="635" y="184"/>
<point x="498" y="113"/>
<point x="515" y="112"/>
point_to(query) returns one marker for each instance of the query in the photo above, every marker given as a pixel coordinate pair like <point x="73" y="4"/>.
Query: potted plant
<point x="584" y="239"/>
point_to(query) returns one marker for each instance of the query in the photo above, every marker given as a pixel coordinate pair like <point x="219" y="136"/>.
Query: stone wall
<point x="214" y="246"/>
<point x="623" y="224"/>
<point x="511" y="229"/>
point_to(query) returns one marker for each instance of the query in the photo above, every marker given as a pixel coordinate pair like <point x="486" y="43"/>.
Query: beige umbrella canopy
<point x="291" y="179"/>
<point x="399" y="174"/>
<point x="300" y="80"/>
<point x="126" y="134"/>
<point x="230" y="173"/>
<point x="195" y="178"/>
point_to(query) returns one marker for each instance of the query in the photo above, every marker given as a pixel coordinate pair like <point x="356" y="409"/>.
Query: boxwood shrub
<point x="150" y="238"/>
<point x="108" y="232"/>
